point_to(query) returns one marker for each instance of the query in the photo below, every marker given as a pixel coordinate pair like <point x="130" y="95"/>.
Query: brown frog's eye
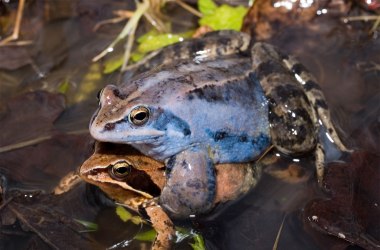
<point x="120" y="170"/>
<point x="139" y="115"/>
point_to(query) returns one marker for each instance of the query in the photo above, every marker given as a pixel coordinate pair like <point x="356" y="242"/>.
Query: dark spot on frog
<point x="243" y="138"/>
<point x="195" y="183"/>
<point x="165" y="117"/>
<point x="245" y="142"/>
<point x="119" y="95"/>
<point x="285" y="92"/>
<point x="220" y="135"/>
<point x="298" y="68"/>
<point x="177" y="49"/>
<point x="197" y="46"/>
<point x="109" y="126"/>
<point x="291" y="134"/>
<point x="210" y="77"/>
<point x="321" y="103"/>
<point x="260" y="141"/>
<point x="224" y="41"/>
<point x="187" y="79"/>
<point x="310" y="84"/>
<point x="169" y="165"/>
<point x="269" y="67"/>
<point x="210" y="93"/>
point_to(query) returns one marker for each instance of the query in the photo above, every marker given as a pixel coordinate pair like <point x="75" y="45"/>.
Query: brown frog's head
<point x="124" y="174"/>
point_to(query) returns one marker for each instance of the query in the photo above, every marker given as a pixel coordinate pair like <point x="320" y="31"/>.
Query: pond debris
<point x="16" y="29"/>
<point x="366" y="18"/>
<point x="150" y="9"/>
<point x="128" y="29"/>
<point x="121" y="16"/>
<point x="275" y="245"/>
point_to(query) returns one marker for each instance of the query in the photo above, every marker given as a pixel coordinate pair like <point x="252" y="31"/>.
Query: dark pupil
<point x="121" y="170"/>
<point x="140" y="116"/>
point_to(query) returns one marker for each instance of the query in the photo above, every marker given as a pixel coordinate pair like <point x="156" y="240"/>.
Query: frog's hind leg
<point x="190" y="187"/>
<point x="292" y="126"/>
<point x="320" y="162"/>
<point x="315" y="95"/>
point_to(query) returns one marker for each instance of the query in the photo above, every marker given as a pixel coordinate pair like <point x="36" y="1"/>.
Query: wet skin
<point x="136" y="181"/>
<point x="223" y="101"/>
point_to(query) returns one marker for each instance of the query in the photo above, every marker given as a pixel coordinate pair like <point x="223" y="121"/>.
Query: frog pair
<point x="136" y="181"/>
<point x="214" y="100"/>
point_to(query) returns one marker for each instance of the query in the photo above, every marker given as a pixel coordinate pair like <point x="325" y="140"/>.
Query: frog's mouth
<point x="131" y="136"/>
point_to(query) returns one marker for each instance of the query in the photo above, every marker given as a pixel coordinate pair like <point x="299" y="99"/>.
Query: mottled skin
<point x="228" y="108"/>
<point x="141" y="185"/>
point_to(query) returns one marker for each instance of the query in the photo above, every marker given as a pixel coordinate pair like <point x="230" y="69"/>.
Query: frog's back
<point x="216" y="99"/>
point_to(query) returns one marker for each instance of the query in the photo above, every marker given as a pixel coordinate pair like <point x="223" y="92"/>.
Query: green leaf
<point x="64" y="87"/>
<point x="87" y="224"/>
<point x="199" y="243"/>
<point x="113" y="64"/>
<point x="225" y="17"/>
<point x="146" y="236"/>
<point x="123" y="213"/>
<point x="207" y="7"/>
<point x="137" y="220"/>
<point x="137" y="56"/>
<point x="152" y="40"/>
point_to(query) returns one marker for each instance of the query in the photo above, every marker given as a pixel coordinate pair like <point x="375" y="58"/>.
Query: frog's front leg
<point x="162" y="224"/>
<point x="190" y="187"/>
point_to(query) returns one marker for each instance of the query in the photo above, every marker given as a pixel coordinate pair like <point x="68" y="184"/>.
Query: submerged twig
<point x="133" y="21"/>
<point x="16" y="30"/>
<point x="265" y="153"/>
<point x="24" y="143"/>
<point x="128" y="47"/>
<point x="275" y="245"/>
<point x="36" y="141"/>
<point x="32" y="228"/>
<point x="365" y="18"/>
<point x="189" y="8"/>
<point x="122" y="15"/>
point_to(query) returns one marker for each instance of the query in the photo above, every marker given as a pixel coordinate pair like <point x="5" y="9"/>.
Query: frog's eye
<point x="120" y="169"/>
<point x="139" y="115"/>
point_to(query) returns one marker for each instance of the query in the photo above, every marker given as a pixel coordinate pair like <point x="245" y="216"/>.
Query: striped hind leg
<point x="316" y="97"/>
<point x="320" y="162"/>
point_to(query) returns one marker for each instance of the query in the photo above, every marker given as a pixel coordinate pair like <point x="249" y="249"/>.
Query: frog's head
<point x="124" y="174"/>
<point x="134" y="118"/>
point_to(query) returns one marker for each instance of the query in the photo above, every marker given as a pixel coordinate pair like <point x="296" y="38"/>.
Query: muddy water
<point x="45" y="132"/>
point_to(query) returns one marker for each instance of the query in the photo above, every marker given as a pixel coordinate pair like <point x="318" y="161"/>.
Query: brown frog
<point x="136" y="181"/>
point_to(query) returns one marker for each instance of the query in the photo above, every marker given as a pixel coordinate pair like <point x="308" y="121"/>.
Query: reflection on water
<point x="342" y="56"/>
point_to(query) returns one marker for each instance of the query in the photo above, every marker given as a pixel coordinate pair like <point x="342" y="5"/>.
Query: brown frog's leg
<point x="67" y="183"/>
<point x="163" y="226"/>
<point x="315" y="95"/>
<point x="292" y="119"/>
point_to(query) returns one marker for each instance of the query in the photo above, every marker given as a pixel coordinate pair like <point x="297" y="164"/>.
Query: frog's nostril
<point x="109" y="126"/>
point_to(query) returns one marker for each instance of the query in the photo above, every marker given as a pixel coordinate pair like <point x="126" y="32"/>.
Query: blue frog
<point x="220" y="99"/>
